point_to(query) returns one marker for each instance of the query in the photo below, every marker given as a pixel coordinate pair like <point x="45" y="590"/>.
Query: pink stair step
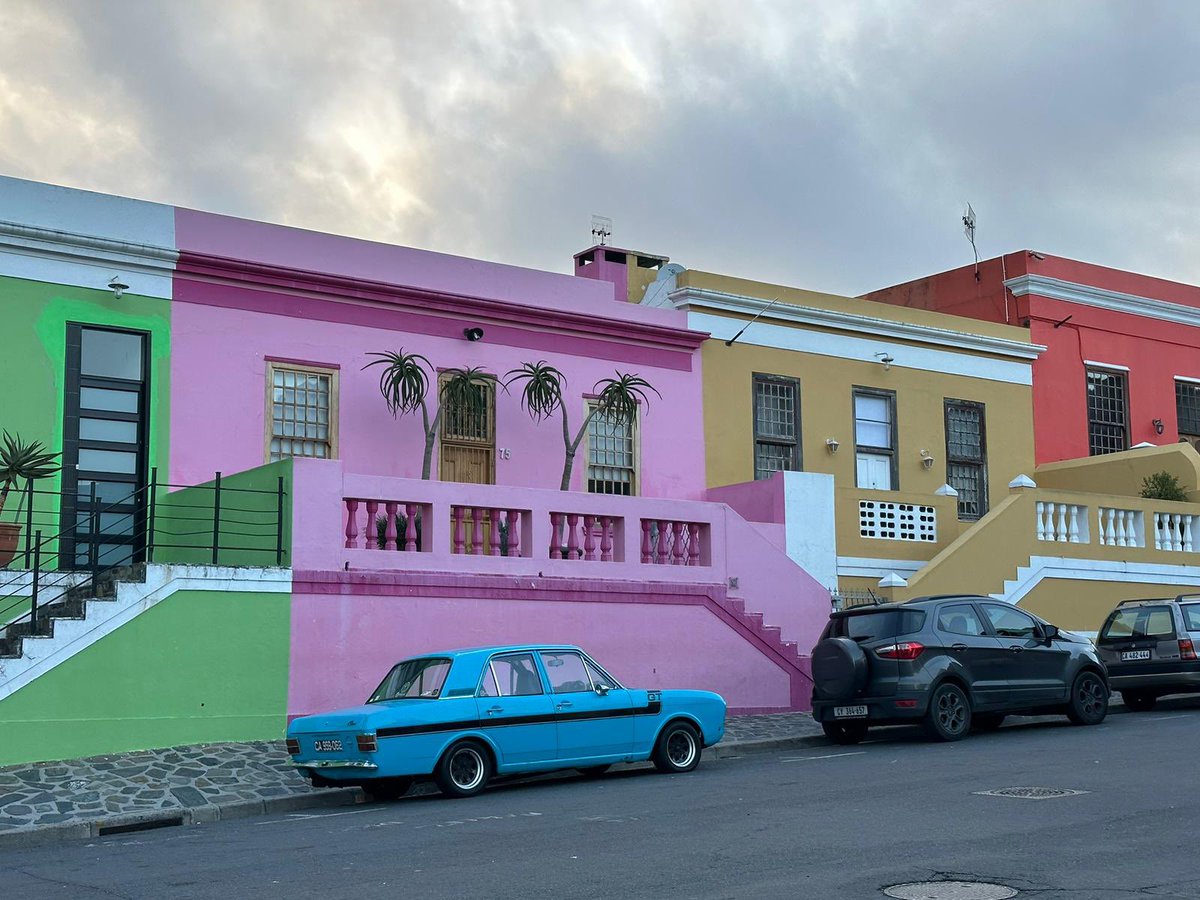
<point x="773" y="633"/>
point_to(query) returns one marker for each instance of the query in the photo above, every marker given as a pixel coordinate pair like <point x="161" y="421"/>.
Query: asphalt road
<point x="839" y="822"/>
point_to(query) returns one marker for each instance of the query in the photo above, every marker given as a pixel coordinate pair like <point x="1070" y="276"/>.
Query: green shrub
<point x="1163" y="486"/>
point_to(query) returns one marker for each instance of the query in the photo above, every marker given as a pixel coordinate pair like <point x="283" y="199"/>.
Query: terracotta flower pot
<point x="8" y="543"/>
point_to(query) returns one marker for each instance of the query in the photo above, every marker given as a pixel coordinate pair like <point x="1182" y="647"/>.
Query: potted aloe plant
<point x="19" y="462"/>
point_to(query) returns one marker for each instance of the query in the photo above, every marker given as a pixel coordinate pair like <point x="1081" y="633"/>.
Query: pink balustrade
<point x="668" y="542"/>
<point x="385" y="524"/>
<point x="486" y="531"/>
<point x="584" y="536"/>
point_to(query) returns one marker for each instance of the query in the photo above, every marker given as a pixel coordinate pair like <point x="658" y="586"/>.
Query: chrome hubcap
<point x="681" y="748"/>
<point x="466" y="768"/>
<point x="951" y="712"/>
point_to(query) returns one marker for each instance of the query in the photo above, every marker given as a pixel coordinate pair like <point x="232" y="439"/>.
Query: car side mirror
<point x="603" y="689"/>
<point x="1049" y="632"/>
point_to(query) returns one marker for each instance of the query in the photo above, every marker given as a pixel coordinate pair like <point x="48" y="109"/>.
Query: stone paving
<point x="160" y="781"/>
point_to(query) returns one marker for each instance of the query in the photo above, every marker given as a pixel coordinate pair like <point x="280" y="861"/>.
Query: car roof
<point x="909" y="604"/>
<point x="467" y="652"/>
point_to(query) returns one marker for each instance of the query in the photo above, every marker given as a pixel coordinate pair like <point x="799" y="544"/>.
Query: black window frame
<point x="1190" y="434"/>
<point x="893" y="452"/>
<point x="952" y="459"/>
<point x="772" y="440"/>
<point x="1094" y="423"/>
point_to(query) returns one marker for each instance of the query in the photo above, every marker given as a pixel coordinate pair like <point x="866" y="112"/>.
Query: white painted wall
<point x="811" y="536"/>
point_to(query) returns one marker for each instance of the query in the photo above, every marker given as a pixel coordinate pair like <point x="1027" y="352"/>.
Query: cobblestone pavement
<point x="157" y="781"/>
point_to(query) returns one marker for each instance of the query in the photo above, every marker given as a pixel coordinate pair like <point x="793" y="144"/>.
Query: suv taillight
<point x="902" y="650"/>
<point x="293" y="747"/>
<point x="1186" y="650"/>
<point x="367" y="743"/>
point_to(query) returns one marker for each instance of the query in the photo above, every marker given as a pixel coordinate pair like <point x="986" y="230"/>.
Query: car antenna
<point x="874" y="599"/>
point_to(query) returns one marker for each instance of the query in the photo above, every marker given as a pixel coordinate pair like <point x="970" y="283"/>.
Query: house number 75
<point x="504" y="453"/>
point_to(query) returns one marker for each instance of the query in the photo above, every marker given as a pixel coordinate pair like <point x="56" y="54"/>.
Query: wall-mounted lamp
<point x="926" y="459"/>
<point x="831" y="445"/>
<point x="473" y="334"/>
<point x="117" y="286"/>
<point x="886" y="358"/>
<point x="1158" y="426"/>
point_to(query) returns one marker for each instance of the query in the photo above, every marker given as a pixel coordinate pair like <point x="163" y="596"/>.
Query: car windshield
<point x="1138" y="622"/>
<point x="886" y="623"/>
<point x="415" y="678"/>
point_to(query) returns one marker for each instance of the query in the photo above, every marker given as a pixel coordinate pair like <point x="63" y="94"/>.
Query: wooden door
<point x="468" y="440"/>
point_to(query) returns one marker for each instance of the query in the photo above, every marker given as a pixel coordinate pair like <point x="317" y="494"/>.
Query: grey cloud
<point x="826" y="145"/>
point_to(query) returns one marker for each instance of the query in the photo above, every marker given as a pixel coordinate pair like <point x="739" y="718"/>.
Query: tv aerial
<point x="968" y="221"/>
<point x="601" y="229"/>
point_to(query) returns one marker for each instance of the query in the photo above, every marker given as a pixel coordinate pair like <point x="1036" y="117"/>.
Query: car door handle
<point x="1016" y="648"/>
<point x="565" y="704"/>
<point x="495" y="709"/>
<point x="958" y="646"/>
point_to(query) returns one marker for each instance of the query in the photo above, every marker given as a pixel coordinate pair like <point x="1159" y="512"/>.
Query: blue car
<point x="464" y="716"/>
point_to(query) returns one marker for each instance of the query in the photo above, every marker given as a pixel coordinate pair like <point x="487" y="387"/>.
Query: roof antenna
<point x="729" y="343"/>
<point x="968" y="220"/>
<point x="601" y="229"/>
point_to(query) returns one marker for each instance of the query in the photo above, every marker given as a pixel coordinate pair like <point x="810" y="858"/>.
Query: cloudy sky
<point x="830" y="145"/>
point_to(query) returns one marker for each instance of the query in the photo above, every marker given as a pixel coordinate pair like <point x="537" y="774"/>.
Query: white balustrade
<point x="1065" y="523"/>
<point x="1175" y="531"/>
<point x="1121" y="527"/>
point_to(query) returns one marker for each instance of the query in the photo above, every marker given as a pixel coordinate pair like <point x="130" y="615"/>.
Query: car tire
<point x="1089" y="699"/>
<point x="949" y="715"/>
<point x="464" y="769"/>
<point x="387" y="788"/>
<point x="987" y="721"/>
<point x="839" y="668"/>
<point x="677" y="749"/>
<point x="1139" y="701"/>
<point x="845" y="733"/>
<point x="594" y="771"/>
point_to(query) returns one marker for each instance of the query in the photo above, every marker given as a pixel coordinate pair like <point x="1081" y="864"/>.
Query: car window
<point x="515" y="675"/>
<point x="1139" y="622"/>
<point x="960" y="619"/>
<point x="413" y="678"/>
<point x="566" y="672"/>
<point x="487" y="684"/>
<point x="1191" y="616"/>
<point x="885" y="623"/>
<point x="599" y="676"/>
<point x="1010" y="622"/>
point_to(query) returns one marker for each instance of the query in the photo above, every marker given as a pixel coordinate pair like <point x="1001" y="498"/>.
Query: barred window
<point x="966" y="456"/>
<point x="611" y="455"/>
<point x="302" y="401"/>
<point x="1108" y="412"/>
<point x="1187" y="408"/>
<point x="776" y="425"/>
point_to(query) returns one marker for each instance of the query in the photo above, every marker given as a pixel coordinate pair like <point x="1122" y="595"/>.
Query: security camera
<point x="473" y="334"/>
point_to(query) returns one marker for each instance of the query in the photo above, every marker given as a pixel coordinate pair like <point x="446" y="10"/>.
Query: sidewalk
<point x="84" y="798"/>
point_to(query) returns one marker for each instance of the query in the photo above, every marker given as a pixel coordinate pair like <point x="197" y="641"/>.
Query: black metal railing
<point x="215" y="523"/>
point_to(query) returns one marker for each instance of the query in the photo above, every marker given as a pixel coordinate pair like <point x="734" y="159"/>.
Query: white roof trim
<point x="1088" y="295"/>
<point x="689" y="297"/>
<point x="1096" y="364"/>
<point x="48" y="243"/>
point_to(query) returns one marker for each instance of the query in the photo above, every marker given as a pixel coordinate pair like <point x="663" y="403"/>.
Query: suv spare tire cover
<point x="839" y="668"/>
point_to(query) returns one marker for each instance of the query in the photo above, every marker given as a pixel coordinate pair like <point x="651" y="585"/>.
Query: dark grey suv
<point x="950" y="663"/>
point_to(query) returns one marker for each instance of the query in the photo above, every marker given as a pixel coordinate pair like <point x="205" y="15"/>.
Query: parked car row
<point x="958" y="663"/>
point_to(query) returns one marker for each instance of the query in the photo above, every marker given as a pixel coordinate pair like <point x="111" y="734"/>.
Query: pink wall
<point x="342" y="646"/>
<point x="219" y="359"/>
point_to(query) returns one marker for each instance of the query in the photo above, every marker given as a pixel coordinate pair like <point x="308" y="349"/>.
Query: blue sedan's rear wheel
<point x="677" y="749"/>
<point x="463" y="770"/>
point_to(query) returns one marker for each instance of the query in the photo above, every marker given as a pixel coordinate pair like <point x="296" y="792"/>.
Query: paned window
<point x="302" y="405"/>
<point x="1108" y="412"/>
<point x="776" y="425"/>
<point x="966" y="457"/>
<point x="1187" y="408"/>
<point x="875" y="439"/>
<point x="611" y="455"/>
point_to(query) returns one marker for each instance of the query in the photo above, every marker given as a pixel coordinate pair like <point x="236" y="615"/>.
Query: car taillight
<point x="367" y="743"/>
<point x="1186" y="649"/>
<point x="902" y="650"/>
<point x="293" y="747"/>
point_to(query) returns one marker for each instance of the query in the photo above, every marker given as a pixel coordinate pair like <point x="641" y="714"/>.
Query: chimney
<point x="629" y="271"/>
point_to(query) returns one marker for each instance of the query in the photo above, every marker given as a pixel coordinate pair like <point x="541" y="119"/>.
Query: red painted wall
<point x="1154" y="351"/>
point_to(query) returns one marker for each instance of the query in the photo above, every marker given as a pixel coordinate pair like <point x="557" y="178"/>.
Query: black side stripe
<point x="650" y="709"/>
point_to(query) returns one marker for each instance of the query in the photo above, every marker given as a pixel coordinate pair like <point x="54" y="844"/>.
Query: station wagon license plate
<point x="334" y="746"/>
<point x="1134" y="655"/>
<point x="849" y="712"/>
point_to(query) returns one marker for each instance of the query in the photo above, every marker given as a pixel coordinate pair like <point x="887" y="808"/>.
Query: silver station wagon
<point x="1149" y="649"/>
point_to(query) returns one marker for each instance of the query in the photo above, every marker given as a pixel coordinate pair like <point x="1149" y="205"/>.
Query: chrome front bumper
<point x="334" y="764"/>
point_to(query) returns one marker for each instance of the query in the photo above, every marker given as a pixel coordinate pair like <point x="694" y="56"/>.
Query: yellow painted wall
<point x="1122" y="473"/>
<point x="1083" y="605"/>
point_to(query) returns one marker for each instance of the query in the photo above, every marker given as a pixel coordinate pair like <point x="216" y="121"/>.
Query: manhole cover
<point x="950" y="890"/>
<point x="1031" y="793"/>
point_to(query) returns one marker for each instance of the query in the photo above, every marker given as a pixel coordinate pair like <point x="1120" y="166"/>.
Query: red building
<point x="1122" y="359"/>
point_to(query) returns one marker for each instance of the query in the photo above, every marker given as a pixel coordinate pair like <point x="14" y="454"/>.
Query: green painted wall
<point x="33" y="359"/>
<point x="200" y="667"/>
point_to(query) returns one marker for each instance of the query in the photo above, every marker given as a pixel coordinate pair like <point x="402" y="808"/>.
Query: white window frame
<point x="331" y="373"/>
<point x="635" y="483"/>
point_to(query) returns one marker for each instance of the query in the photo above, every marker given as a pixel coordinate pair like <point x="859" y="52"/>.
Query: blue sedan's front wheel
<point x="678" y="749"/>
<point x="463" y="770"/>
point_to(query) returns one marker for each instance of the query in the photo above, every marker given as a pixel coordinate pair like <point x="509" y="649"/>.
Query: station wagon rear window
<point x="1191" y="616"/>
<point x="1139" y="622"/>
<point x="414" y="679"/>
<point x="886" y="623"/>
